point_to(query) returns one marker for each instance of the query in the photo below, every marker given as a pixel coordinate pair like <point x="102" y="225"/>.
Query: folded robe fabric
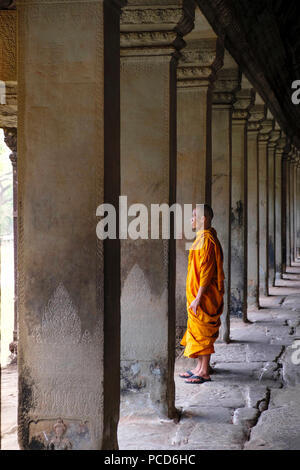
<point x="205" y="268"/>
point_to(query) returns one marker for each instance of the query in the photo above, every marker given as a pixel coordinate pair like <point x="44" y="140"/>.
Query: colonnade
<point x="141" y="100"/>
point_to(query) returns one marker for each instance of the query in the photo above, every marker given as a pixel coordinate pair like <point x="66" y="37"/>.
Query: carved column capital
<point x="244" y="101"/>
<point x="199" y="62"/>
<point x="273" y="139"/>
<point x="297" y="159"/>
<point x="256" y="115"/>
<point x="281" y="147"/>
<point x="290" y="155"/>
<point x="148" y="29"/>
<point x="227" y="82"/>
<point x="10" y="138"/>
<point x="266" y="129"/>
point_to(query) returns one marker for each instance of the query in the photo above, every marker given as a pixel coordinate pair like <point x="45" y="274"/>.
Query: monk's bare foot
<point x="203" y="375"/>
<point x="187" y="374"/>
<point x="197" y="379"/>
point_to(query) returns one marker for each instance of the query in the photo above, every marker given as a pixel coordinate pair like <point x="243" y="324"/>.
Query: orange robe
<point x="205" y="268"/>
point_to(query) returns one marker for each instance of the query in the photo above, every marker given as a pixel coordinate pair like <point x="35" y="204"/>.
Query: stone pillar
<point x="238" y="268"/>
<point x="298" y="207"/>
<point x="292" y="207"/>
<point x="285" y="207"/>
<point x="274" y="136"/>
<point x="196" y="71"/>
<point x="8" y="49"/>
<point x="279" y="152"/>
<point x="69" y="281"/>
<point x="150" y="40"/>
<point x="263" y="137"/>
<point x="295" y="204"/>
<point x="10" y="138"/>
<point x="288" y="210"/>
<point x="257" y="114"/>
<point x="8" y="117"/>
<point x="223" y="97"/>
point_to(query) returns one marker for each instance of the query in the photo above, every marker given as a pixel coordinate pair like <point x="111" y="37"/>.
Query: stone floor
<point x="253" y="401"/>
<point x="9" y="403"/>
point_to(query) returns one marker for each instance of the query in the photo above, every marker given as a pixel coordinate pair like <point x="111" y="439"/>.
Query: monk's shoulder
<point x="206" y="242"/>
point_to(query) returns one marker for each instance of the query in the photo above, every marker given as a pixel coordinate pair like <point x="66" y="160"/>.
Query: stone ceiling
<point x="263" y="37"/>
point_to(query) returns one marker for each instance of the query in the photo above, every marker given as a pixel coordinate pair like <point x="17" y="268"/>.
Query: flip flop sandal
<point x="186" y="376"/>
<point x="199" y="380"/>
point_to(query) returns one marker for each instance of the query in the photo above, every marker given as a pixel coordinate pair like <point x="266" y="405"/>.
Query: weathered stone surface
<point x="246" y="417"/>
<point x="268" y="371"/>
<point x="292" y="302"/>
<point x="207" y="414"/>
<point x="266" y="315"/>
<point x="239" y="391"/>
<point x="277" y="429"/>
<point x="142" y="434"/>
<point x="8" y="49"/>
<point x="231" y="352"/>
<point x="279" y="335"/>
<point x="262" y="352"/>
<point x="214" y="394"/>
<point x="69" y="101"/>
<point x="223" y="96"/>
<point x="294" y="322"/>
<point x="149" y="52"/>
<point x="9" y="403"/>
<point x="255" y="394"/>
<point x="287" y="397"/>
<point x="249" y="334"/>
<point x="291" y="364"/>
<point x="246" y="373"/>
<point x="216" y="437"/>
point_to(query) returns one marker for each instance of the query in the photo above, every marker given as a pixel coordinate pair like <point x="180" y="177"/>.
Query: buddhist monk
<point x="204" y="293"/>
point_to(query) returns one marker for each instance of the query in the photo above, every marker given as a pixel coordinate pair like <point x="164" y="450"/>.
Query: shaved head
<point x="208" y="212"/>
<point x="202" y="210"/>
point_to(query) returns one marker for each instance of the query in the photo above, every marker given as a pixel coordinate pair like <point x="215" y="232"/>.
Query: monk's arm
<point x="206" y="270"/>
<point x="197" y="299"/>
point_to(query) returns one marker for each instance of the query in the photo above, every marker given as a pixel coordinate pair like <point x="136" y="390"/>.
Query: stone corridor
<point x="253" y="401"/>
<point x="150" y="102"/>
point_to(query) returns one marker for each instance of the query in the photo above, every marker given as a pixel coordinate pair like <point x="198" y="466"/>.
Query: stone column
<point x="295" y="204"/>
<point x="298" y="206"/>
<point x="69" y="281"/>
<point x="263" y="138"/>
<point x="150" y="40"/>
<point x="223" y="97"/>
<point x="257" y="114"/>
<point x="288" y="209"/>
<point x="274" y="136"/>
<point x="279" y="152"/>
<point x="10" y="138"/>
<point x="238" y="268"/>
<point x="8" y="55"/>
<point x="196" y="71"/>
<point x="292" y="207"/>
<point x="8" y="117"/>
<point x="285" y="207"/>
